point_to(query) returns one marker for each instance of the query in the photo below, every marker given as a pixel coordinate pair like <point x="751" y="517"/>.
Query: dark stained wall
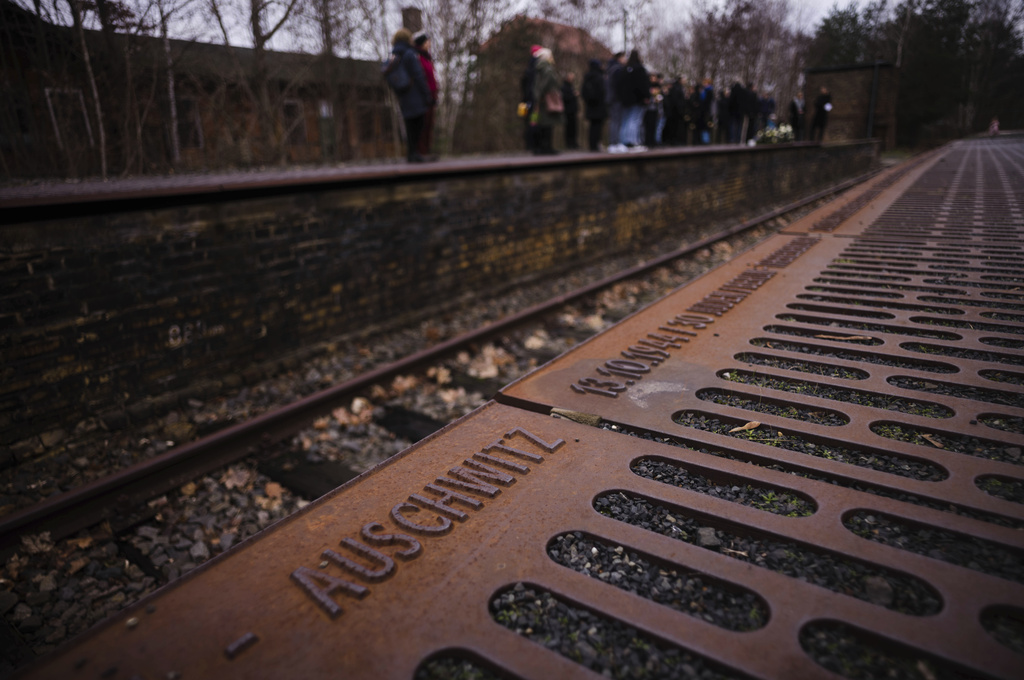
<point x="851" y="88"/>
<point x="117" y="316"/>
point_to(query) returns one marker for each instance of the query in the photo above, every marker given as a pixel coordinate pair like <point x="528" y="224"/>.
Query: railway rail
<point x="125" y="490"/>
<point x="804" y="464"/>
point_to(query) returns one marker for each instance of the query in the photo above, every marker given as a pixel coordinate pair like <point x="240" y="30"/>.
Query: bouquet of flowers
<point x="775" y="135"/>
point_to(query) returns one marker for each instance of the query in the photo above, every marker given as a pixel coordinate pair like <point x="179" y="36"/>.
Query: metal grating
<point x="861" y="386"/>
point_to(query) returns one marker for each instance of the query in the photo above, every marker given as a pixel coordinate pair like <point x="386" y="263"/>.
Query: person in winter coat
<point x="547" y="95"/>
<point x="751" y="111"/>
<point x="422" y="43"/>
<point x="797" y="115"/>
<point x="613" y="75"/>
<point x="415" y="99"/>
<point x="705" y="122"/>
<point x="723" y="120"/>
<point x="594" y="96"/>
<point x="737" y="95"/>
<point x="634" y="91"/>
<point x="767" y="106"/>
<point x="526" y="97"/>
<point x="675" y="114"/>
<point x="572" y="110"/>
<point x="653" y="113"/>
<point x="822" y="105"/>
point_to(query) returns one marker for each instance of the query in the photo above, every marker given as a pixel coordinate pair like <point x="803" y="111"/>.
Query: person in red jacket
<point x="422" y="43"/>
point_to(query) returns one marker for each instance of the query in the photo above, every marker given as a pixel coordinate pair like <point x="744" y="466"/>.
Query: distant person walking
<point x="594" y="96"/>
<point x="414" y="99"/>
<point x="822" y="107"/>
<point x="547" y="102"/>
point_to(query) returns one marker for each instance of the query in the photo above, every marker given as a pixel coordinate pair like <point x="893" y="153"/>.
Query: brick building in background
<point x="488" y="121"/>
<point x="322" y="108"/>
<point x="863" y="101"/>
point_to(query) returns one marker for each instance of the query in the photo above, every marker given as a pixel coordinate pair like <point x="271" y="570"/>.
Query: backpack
<point x="396" y="75"/>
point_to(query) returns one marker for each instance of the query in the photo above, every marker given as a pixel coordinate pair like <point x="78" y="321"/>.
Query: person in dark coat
<point x="613" y="75"/>
<point x="751" y="111"/>
<point x="634" y="91"/>
<point x="416" y="99"/>
<point x="546" y="90"/>
<point x="422" y="43"/>
<point x="572" y="110"/>
<point x="526" y="97"/>
<point x="724" y="122"/>
<point x="652" y="113"/>
<point x="703" y="122"/>
<point x="691" y="115"/>
<point x="822" y="105"/>
<point x="737" y="96"/>
<point x="594" y="96"/>
<point x="675" y="106"/>
<point x="797" y="116"/>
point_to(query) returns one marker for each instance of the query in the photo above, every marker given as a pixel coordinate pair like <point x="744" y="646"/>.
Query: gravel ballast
<point x="870" y="583"/>
<point x="681" y="589"/>
<point x="183" y="529"/>
<point x="604" y="645"/>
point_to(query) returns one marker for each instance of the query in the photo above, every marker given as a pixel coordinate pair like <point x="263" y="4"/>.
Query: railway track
<point x="125" y="489"/>
<point x="156" y="517"/>
<point x="817" y="333"/>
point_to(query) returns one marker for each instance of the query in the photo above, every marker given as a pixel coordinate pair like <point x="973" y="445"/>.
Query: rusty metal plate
<point x="884" y="380"/>
<point x="907" y="324"/>
<point x="286" y="604"/>
<point x="882" y="355"/>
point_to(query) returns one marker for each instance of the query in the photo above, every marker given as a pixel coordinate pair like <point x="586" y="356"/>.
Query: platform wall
<point x="108" y="318"/>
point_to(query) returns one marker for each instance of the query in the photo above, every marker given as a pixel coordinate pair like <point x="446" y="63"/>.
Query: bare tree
<point x="743" y="40"/>
<point x="457" y="29"/>
<point x="169" y="11"/>
<point x="76" y="14"/>
<point x="262" y="20"/>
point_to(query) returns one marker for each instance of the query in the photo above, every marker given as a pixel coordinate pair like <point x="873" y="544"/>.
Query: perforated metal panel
<point x="823" y="437"/>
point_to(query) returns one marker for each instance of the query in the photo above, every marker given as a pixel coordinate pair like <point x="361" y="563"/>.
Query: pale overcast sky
<point x="817" y="9"/>
<point x="805" y="13"/>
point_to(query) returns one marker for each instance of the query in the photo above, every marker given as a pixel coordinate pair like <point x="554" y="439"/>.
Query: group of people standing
<point x="642" y="109"/>
<point x="416" y="90"/>
<point x="819" y="119"/>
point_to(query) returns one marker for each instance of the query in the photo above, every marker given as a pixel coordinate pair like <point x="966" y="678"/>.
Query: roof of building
<point x="849" y="67"/>
<point x="559" y="37"/>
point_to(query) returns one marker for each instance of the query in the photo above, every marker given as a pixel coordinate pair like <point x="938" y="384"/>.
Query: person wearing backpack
<point x="405" y="76"/>
<point x="547" y="102"/>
